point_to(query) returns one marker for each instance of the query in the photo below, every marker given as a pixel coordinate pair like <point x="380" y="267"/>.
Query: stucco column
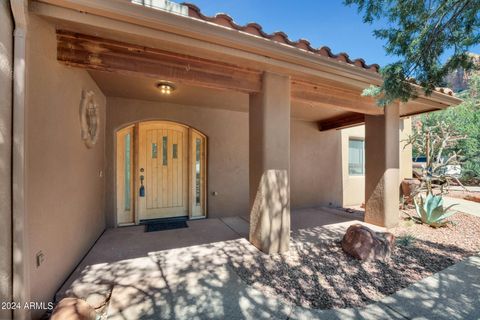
<point x="21" y="252"/>
<point x="382" y="147"/>
<point x="269" y="158"/>
<point x="6" y="81"/>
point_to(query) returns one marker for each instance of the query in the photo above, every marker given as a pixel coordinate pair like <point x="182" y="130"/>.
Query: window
<point x="165" y="155"/>
<point x="175" y="151"/>
<point x="127" y="171"/>
<point x="198" y="145"/>
<point x="154" y="151"/>
<point x="356" y="157"/>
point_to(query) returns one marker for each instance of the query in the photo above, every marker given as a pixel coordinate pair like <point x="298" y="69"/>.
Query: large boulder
<point x="363" y="243"/>
<point x="73" y="309"/>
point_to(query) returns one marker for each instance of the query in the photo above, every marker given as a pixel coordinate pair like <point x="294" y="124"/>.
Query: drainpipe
<point x="6" y="87"/>
<point x="21" y="283"/>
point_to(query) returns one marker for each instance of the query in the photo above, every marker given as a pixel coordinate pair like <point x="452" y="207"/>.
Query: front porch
<point x="202" y="273"/>
<point x="266" y="111"/>
<point x="187" y="273"/>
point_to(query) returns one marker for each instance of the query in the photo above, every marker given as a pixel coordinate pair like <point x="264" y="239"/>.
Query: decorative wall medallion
<point x="89" y="120"/>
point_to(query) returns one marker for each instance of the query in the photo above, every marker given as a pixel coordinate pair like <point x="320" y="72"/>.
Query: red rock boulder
<point x="73" y="309"/>
<point x="363" y="243"/>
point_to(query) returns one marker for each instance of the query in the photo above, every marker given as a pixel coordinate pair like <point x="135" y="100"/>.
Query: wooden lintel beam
<point x="96" y="53"/>
<point x="340" y="122"/>
<point x="347" y="99"/>
<point x="346" y="103"/>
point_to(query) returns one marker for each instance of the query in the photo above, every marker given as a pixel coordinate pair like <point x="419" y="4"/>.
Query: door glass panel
<point x="175" y="151"/>
<point x="154" y="151"/>
<point x="198" y="145"/>
<point x="165" y="154"/>
<point x="127" y="172"/>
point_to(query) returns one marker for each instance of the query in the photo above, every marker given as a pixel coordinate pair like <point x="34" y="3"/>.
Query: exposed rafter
<point x="344" y="121"/>
<point x="95" y="53"/>
<point x="326" y="94"/>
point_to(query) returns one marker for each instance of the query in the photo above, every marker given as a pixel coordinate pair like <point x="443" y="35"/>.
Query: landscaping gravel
<point x="316" y="273"/>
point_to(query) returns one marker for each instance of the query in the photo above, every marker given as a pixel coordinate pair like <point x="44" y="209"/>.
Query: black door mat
<point x="168" y="224"/>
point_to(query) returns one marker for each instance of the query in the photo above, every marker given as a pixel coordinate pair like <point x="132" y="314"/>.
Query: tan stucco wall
<point x="65" y="192"/>
<point x="6" y="56"/>
<point x="315" y="173"/>
<point x="315" y="156"/>
<point x="354" y="186"/>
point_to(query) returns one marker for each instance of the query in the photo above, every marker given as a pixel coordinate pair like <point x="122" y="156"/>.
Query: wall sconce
<point x="166" y="88"/>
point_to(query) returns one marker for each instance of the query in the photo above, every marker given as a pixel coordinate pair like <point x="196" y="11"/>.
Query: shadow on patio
<point x="174" y="269"/>
<point x="210" y="271"/>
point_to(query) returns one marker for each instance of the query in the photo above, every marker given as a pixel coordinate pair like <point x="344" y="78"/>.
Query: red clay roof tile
<point x="256" y="29"/>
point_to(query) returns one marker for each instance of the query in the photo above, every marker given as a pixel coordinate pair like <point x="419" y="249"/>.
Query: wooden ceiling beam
<point x="94" y="53"/>
<point x="344" y="121"/>
<point x="346" y="99"/>
<point x="344" y="103"/>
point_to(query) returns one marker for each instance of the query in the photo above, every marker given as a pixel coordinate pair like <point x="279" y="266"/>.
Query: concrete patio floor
<point x="185" y="274"/>
<point x="180" y="273"/>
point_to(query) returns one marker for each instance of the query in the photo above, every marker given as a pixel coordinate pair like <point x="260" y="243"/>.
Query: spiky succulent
<point x="430" y="210"/>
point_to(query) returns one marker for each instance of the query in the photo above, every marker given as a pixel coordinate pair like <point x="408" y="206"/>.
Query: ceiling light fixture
<point x="166" y="88"/>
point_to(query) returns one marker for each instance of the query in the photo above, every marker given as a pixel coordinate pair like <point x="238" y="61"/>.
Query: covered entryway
<point x="267" y="104"/>
<point x="160" y="172"/>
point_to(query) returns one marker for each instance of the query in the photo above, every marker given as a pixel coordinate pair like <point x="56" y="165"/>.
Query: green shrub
<point x="406" y="240"/>
<point x="430" y="210"/>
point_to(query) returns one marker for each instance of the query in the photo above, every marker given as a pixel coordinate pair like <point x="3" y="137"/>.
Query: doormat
<point x="165" y="225"/>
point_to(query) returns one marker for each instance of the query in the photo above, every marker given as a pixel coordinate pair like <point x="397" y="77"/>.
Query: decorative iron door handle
<point x="142" y="188"/>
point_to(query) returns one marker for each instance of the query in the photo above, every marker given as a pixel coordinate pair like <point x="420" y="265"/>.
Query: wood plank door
<point x="163" y="170"/>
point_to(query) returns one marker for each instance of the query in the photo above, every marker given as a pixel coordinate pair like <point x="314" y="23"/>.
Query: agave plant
<point x="430" y="210"/>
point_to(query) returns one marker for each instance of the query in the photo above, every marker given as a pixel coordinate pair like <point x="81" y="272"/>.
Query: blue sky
<point x="322" y="22"/>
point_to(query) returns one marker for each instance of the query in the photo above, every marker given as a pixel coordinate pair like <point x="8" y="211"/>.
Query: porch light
<point x="165" y="88"/>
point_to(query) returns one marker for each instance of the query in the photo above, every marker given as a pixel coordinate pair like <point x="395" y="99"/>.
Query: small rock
<point x="365" y="244"/>
<point x="73" y="309"/>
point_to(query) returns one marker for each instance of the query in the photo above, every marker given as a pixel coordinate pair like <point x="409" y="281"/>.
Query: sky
<point x="322" y="22"/>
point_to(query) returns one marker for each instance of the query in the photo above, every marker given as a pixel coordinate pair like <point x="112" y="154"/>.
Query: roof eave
<point x="438" y="97"/>
<point x="295" y="58"/>
<point x="210" y="32"/>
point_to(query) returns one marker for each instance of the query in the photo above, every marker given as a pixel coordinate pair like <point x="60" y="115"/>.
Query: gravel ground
<point x="318" y="274"/>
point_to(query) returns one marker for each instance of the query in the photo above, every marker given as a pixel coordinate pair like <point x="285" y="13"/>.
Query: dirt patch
<point x="318" y="274"/>
<point x="474" y="198"/>
<point x="466" y="195"/>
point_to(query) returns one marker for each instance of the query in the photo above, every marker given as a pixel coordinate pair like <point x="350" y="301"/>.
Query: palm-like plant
<point x="430" y="210"/>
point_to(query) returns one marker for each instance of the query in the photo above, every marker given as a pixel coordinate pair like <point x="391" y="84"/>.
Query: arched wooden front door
<point x="168" y="170"/>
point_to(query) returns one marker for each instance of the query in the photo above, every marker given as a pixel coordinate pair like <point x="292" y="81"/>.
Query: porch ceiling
<point x="202" y="71"/>
<point x="143" y="88"/>
<point x="133" y="70"/>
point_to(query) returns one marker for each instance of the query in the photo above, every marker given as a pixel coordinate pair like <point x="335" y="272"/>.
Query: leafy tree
<point x="420" y="33"/>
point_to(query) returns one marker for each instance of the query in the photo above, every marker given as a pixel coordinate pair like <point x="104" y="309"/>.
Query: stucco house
<point x="122" y="111"/>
